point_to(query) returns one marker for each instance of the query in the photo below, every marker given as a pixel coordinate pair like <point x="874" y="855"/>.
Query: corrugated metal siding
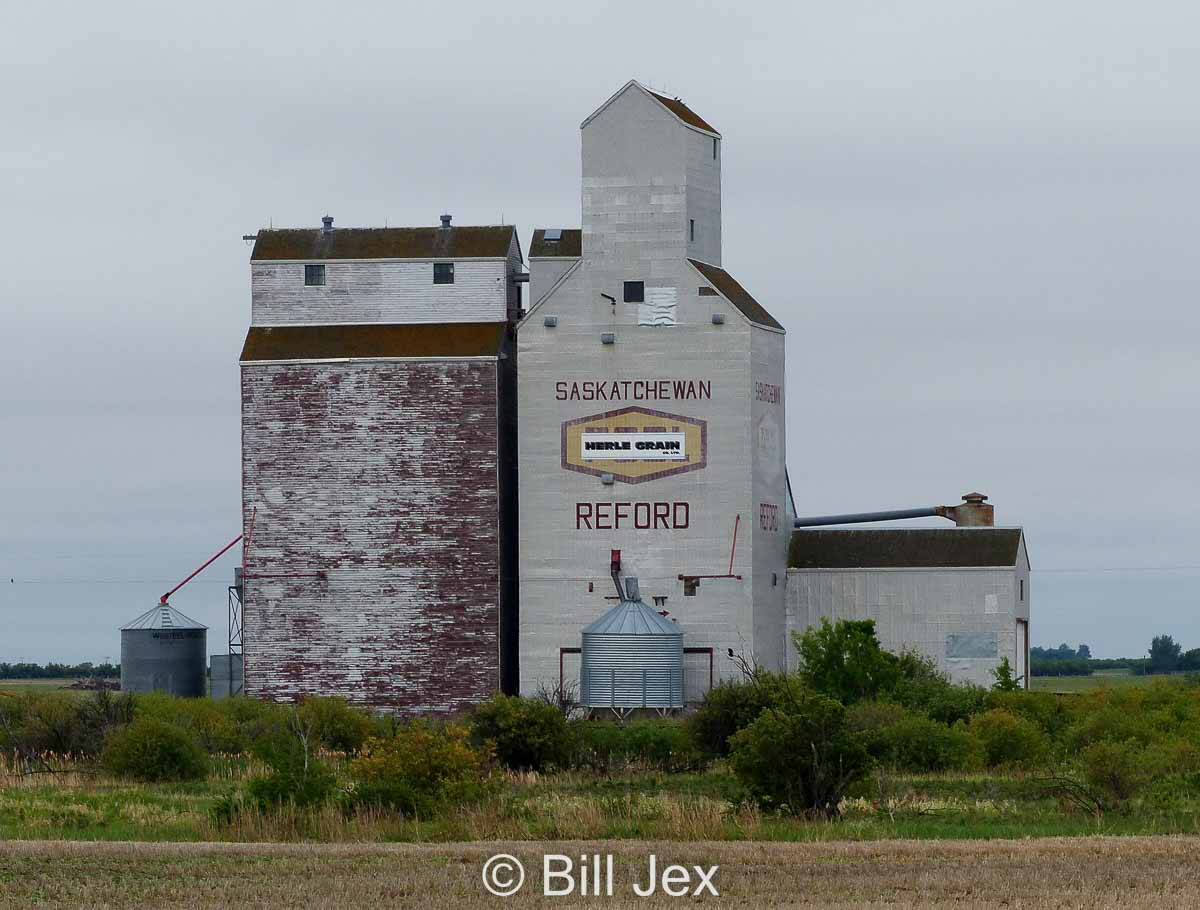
<point x="378" y="291"/>
<point x="913" y="609"/>
<point x="383" y="475"/>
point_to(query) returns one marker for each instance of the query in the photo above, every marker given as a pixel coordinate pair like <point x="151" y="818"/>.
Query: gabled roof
<point x="569" y="245"/>
<point x="487" y="242"/>
<point x="335" y="342"/>
<point x="681" y="111"/>
<point x="632" y="617"/>
<point x="163" y="616"/>
<point x="904" y="548"/>
<point x="736" y="294"/>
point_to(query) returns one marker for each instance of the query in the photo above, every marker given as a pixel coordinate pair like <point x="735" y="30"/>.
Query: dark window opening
<point x="690" y="584"/>
<point x="314" y="276"/>
<point x="706" y="292"/>
<point x="1022" y="590"/>
<point x="714" y="148"/>
<point x="443" y="273"/>
<point x="635" y="291"/>
<point x="691" y="229"/>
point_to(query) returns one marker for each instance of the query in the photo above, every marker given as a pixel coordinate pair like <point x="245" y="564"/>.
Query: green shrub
<point x="335" y="724"/>
<point x="422" y="766"/>
<point x="297" y="776"/>
<point x="733" y="705"/>
<point x="527" y="734"/>
<point x="908" y="741"/>
<point x="922" y="687"/>
<point x="662" y="745"/>
<point x="799" y="760"/>
<point x="843" y="660"/>
<point x="1008" y="740"/>
<point x="1117" y="772"/>
<point x="1046" y="710"/>
<point x="152" y="750"/>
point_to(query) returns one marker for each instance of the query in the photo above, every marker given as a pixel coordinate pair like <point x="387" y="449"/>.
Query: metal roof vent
<point x="327" y="224"/>
<point x="632" y="657"/>
<point x="445" y="221"/>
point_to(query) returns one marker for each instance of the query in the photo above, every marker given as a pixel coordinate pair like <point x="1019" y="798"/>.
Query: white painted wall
<point x="914" y="609"/>
<point x="378" y="290"/>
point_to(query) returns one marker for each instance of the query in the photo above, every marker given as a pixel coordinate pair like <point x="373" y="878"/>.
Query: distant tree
<point x="1190" y="660"/>
<point x="1164" y="654"/>
<point x="1084" y="652"/>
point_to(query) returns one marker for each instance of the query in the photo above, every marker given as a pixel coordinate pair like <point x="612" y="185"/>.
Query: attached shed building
<point x="378" y="466"/>
<point x="957" y="595"/>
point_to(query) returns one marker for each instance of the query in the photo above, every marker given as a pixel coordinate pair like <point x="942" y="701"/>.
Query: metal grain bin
<point x="164" y="651"/>
<point x="632" y="658"/>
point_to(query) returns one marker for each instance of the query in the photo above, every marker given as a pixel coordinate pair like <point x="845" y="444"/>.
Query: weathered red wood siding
<point x="383" y="474"/>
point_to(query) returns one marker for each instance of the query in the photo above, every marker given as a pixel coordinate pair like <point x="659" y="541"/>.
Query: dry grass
<point x="1083" y="872"/>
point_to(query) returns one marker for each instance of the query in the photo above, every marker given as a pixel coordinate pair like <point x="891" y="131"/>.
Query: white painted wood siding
<point x="378" y="290"/>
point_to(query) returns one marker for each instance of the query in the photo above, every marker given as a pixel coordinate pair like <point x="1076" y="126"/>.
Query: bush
<point x="334" y="724"/>
<point x="922" y="687"/>
<point x="843" y="660"/>
<point x="527" y="734"/>
<point x="421" y="766"/>
<point x="1008" y="740"/>
<point x="662" y="745"/>
<point x="297" y="775"/>
<point x="1044" y="709"/>
<point x="1117" y="771"/>
<point x="801" y="759"/>
<point x="152" y="750"/>
<point x="731" y="706"/>
<point x="908" y="741"/>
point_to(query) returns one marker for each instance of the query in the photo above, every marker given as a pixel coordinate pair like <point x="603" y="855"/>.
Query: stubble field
<point x="1100" y="872"/>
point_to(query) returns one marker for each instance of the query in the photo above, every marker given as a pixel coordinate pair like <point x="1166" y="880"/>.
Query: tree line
<point x="1165" y="655"/>
<point x="59" y="671"/>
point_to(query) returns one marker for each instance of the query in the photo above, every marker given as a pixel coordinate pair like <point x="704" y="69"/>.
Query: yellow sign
<point x="642" y="444"/>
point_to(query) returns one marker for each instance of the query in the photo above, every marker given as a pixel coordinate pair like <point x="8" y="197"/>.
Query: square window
<point x="635" y="291"/>
<point x="314" y="276"/>
<point x="443" y="273"/>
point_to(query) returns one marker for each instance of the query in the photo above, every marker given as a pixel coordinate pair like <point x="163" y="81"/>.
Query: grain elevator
<point x="650" y="402"/>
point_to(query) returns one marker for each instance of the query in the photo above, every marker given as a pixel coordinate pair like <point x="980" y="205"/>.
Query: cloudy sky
<point x="974" y="220"/>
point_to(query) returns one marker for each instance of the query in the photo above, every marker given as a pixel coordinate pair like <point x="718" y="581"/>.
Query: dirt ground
<point x="1080" y="872"/>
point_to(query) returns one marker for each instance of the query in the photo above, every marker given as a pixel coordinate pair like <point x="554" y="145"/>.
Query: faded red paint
<point x="382" y="475"/>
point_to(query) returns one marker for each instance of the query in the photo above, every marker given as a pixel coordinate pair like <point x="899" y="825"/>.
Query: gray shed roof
<point x="632" y="617"/>
<point x="163" y="616"/>
<point x="569" y="244"/>
<point x="904" y="548"/>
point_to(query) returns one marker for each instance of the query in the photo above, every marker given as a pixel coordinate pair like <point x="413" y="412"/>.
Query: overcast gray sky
<point x="977" y="222"/>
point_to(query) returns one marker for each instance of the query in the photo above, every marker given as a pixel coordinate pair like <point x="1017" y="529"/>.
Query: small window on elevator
<point x="692" y="229"/>
<point x="314" y="276"/>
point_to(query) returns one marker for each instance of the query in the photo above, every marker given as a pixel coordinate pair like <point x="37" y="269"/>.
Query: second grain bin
<point x="632" y="657"/>
<point x="164" y="651"/>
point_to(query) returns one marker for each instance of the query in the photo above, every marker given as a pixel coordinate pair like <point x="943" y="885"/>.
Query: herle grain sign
<point x="634" y="444"/>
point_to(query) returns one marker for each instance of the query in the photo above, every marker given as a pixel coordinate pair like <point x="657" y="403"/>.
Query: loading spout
<point x="973" y="511"/>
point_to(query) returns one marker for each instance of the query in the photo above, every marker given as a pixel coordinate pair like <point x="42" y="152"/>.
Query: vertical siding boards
<point x="383" y="475"/>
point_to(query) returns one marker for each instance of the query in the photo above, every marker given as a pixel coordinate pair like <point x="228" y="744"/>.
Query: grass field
<point x="1098" y="680"/>
<point x="1085" y="872"/>
<point x="33" y="685"/>
<point x="85" y="805"/>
